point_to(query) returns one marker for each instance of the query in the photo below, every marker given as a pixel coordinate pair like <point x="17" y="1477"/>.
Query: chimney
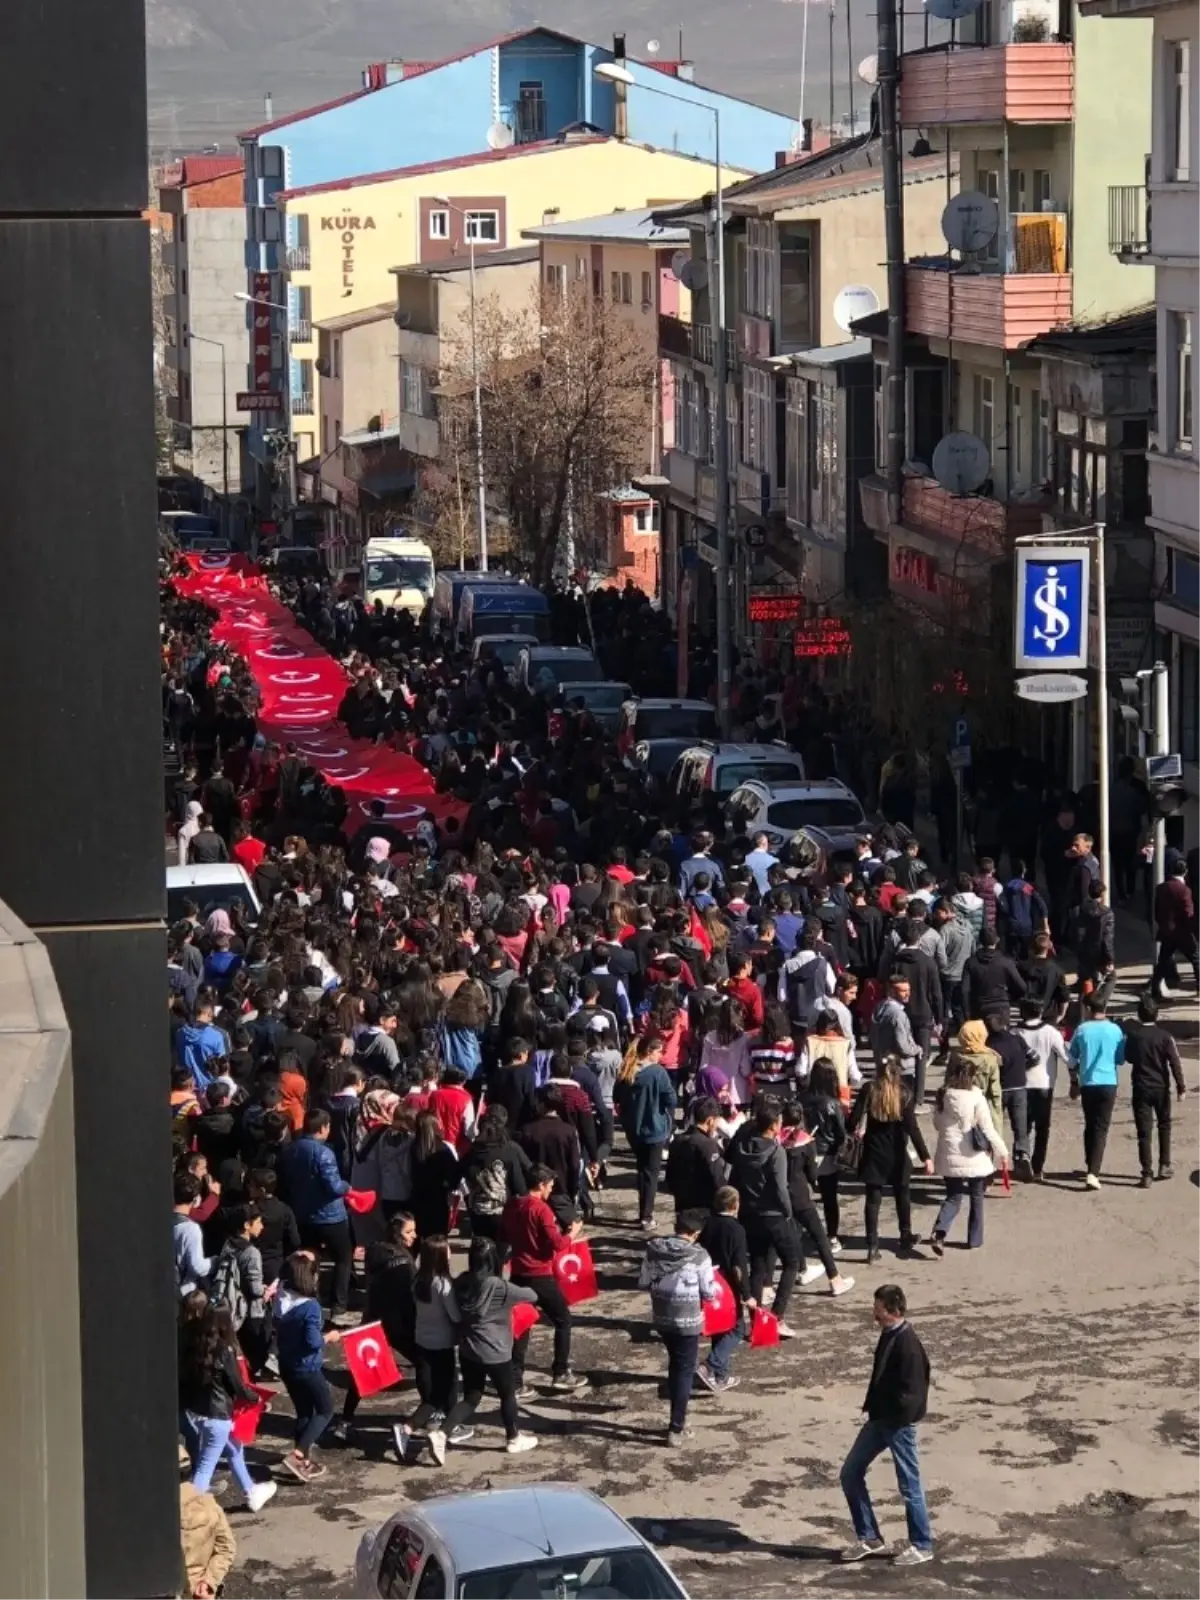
<point x="685" y="71"/>
<point x="621" y="97"/>
<point x="806" y="135"/>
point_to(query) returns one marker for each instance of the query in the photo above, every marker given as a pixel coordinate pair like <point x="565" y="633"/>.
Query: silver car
<point x="511" y="1544"/>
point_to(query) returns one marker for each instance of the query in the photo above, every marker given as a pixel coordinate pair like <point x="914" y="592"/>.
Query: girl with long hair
<point x="969" y="1149"/>
<point x="301" y="1345"/>
<point x="726" y="1046"/>
<point x="436" y="1338"/>
<point x="773" y="1052"/>
<point x="826" y="1121"/>
<point x="884" y="1109"/>
<point x="210" y="1384"/>
<point x="435" y="1176"/>
<point x="644" y="1099"/>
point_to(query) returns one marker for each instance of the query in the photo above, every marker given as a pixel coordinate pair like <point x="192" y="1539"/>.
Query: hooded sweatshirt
<point x="959" y="943"/>
<point x="759" y="1174"/>
<point x="298" y="1332"/>
<point x="968" y="907"/>
<point x="679" y="1276"/>
<point x="484" y="1307"/>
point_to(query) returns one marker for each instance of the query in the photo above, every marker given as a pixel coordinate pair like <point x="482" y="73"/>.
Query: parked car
<point x="654" y="733"/>
<point x="542" y="668"/>
<point x="603" y="698"/>
<point x="824" y="808"/>
<point x="722" y="768"/>
<point x="217" y="885"/>
<point x="504" y="647"/>
<point x="506" y="1544"/>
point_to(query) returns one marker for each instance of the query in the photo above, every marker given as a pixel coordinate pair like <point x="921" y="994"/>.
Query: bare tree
<point x="566" y="385"/>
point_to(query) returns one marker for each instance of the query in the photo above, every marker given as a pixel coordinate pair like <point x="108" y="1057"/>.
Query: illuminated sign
<point x="775" y="607"/>
<point x="822" y="636"/>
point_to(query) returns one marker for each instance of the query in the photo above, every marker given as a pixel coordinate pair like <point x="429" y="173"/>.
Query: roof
<point x="189" y="170"/>
<point x="355" y="319"/>
<point x="517" y="256"/>
<point x="370" y="436"/>
<point x="617" y="227"/>
<point x="828" y="355"/>
<point x="873" y="326"/>
<point x="486" y="1530"/>
<point x="1134" y="333"/>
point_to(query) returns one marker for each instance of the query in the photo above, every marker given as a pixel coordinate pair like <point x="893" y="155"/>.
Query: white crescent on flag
<point x="369" y="1352"/>
<point x="291" y="675"/>
<point x="567" y="1263"/>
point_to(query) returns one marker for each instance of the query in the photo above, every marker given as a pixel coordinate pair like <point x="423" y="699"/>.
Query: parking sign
<point x="1052" y="592"/>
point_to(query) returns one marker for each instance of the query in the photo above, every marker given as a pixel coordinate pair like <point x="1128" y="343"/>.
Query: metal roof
<point x="484" y="1530"/>
<point x="616" y="227"/>
<point x="516" y="256"/>
<point x="368" y="436"/>
<point x="354" y="319"/>
<point x="1134" y="333"/>
<point x="828" y="355"/>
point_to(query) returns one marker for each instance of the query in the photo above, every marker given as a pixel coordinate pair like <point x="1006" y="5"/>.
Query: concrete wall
<point x="214" y="256"/>
<point x="41" y="1419"/>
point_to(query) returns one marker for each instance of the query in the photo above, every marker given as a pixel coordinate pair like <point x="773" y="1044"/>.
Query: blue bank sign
<point x="1052" y="606"/>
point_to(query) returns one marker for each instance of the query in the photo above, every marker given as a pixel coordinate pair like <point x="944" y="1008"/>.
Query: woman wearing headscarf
<point x="973" y="1047"/>
<point x="189" y="830"/>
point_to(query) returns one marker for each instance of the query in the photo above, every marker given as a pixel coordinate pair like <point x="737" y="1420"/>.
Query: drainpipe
<point x="893" y="225"/>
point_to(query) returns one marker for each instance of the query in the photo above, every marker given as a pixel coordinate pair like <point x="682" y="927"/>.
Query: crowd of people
<point x="429" y="1040"/>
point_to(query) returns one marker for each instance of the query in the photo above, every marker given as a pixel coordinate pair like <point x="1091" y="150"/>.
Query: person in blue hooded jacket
<point x="197" y="1043"/>
<point x="1022" y="912"/>
<point x="314" y="1188"/>
<point x="644" y="1099"/>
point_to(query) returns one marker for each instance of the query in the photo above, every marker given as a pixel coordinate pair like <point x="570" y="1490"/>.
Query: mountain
<point x="212" y="62"/>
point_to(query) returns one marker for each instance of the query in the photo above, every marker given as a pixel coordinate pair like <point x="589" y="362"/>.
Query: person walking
<point x="644" y="1100"/>
<point x="301" y="1346"/>
<point x="884" y="1109"/>
<point x="759" y="1173"/>
<point x="484" y="1302"/>
<point x="825" y="1119"/>
<point x="1016" y="1058"/>
<point x="969" y="1149"/>
<point x="725" y="1240"/>
<point x="695" y="1162"/>
<point x="1096" y="1053"/>
<point x="973" y="1043"/>
<point x="679" y="1275"/>
<point x="314" y="1188"/>
<point x="1045" y="1042"/>
<point x="896" y="1401"/>
<point x="800" y="1149"/>
<point x="435" y="1338"/>
<point x="1174" y="921"/>
<point x="209" y="1385"/>
<point x="1153" y="1058"/>
<point x="531" y="1231"/>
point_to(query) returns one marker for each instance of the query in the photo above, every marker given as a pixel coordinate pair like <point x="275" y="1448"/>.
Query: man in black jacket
<point x="895" y="1403"/>
<point x="695" y="1165"/>
<point x="991" y="981"/>
<point x="759" y="1174"/>
<point x="1153" y="1057"/>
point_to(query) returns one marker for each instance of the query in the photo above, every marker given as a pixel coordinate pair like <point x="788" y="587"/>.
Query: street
<point x="1059" y="1455"/>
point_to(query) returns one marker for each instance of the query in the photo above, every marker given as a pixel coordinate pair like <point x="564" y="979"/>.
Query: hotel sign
<point x="348" y="229"/>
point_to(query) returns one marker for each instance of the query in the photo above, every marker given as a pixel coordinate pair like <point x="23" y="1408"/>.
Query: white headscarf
<point x="191" y="827"/>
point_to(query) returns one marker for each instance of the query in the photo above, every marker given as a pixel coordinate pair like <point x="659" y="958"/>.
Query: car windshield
<point x="735" y="773"/>
<point x="675" y="722"/>
<point x="505" y="651"/>
<point x="825" y="812"/>
<point x="599" y="696"/>
<point x="622" y="1574"/>
<point x="552" y="673"/>
<point x="210" y="898"/>
<point x="400" y="572"/>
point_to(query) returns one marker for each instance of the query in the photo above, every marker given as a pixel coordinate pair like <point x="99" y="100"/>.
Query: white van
<point x="399" y="573"/>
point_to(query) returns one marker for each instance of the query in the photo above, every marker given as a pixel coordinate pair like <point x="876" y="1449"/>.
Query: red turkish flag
<point x="576" y="1272"/>
<point x="370" y="1359"/>
<point x="523" y="1316"/>
<point x="764" y="1330"/>
<point x="720" y="1314"/>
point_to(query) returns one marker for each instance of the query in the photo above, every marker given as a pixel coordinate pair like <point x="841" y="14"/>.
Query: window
<point x="556" y="279"/>
<point x="181" y="230"/>
<point x="627" y="288"/>
<point x="431" y="1585"/>
<point x="796" y="453"/>
<point x="880" y="416"/>
<point x="1041" y="197"/>
<point x="337" y="427"/>
<point x="647" y="290"/>
<point x="412" y="389"/>
<point x="1016" y="436"/>
<point x="531" y="112"/>
<point x="984" y="410"/>
<point x="439" y="224"/>
<point x="271" y="164"/>
<point x="1180" y="333"/>
<point x="483" y="227"/>
<point x="758" y="400"/>
<point x="1018" y="194"/>
<point x="1186" y="695"/>
<point x="324" y="432"/>
<point x="581" y="267"/>
<point x="1183" y="579"/>
<point x="760" y="269"/>
<point x="183" y="289"/>
<point x="337" y="358"/>
<point x="616" y="288"/>
<point x="988" y="179"/>
<point x="795" y="288"/>
<point x="400" y="1557"/>
<point x="597" y="284"/>
<point x="926" y="419"/>
<point x="1179" y="55"/>
<point x="823" y="491"/>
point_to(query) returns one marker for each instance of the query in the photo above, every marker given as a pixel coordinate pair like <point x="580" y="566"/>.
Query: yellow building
<point x="351" y="235"/>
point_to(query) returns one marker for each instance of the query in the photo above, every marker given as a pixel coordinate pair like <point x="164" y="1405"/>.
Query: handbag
<point x="980" y="1140"/>
<point x="849" y="1155"/>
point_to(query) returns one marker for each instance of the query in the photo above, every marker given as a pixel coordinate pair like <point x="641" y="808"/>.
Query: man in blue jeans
<point x="895" y="1403"/>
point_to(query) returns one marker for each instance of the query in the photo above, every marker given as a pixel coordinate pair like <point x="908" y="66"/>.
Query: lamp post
<point x="200" y="338"/>
<point x="480" y="481"/>
<point x="615" y="72"/>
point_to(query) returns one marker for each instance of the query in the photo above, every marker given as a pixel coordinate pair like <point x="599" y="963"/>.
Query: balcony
<point x="1002" y="310"/>
<point x="300" y="332"/>
<point x="984" y="526"/>
<point x="978" y="84"/>
<point x="302" y="405"/>
<point x="1128" y="221"/>
<point x="674" y="336"/>
<point x="694" y="341"/>
<point x="298" y="258"/>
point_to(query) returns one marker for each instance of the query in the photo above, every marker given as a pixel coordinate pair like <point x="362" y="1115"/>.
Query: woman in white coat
<point x="969" y="1150"/>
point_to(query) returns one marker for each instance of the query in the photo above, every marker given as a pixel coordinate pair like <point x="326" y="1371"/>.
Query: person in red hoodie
<point x="534" y="1238"/>
<point x="246" y="850"/>
<point x="618" y="866"/>
<point x="742" y="988"/>
<point x="452" y="1105"/>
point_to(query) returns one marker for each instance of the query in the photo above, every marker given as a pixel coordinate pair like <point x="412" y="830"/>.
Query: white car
<point x="545" y="666"/>
<point x="507" y="1544"/>
<point x="213" y="886"/>
<point x="722" y="768"/>
<point x="825" y="808"/>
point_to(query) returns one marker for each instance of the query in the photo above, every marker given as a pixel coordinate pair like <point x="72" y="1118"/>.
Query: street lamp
<point x="615" y="72"/>
<point x="217" y="344"/>
<point x="257" y="300"/>
<point x="480" y="484"/>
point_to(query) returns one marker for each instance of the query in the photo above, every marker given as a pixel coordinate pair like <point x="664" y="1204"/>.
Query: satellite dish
<point x="678" y="262"/>
<point x="951" y="10"/>
<point x="652" y="47"/>
<point x="694" y="275"/>
<point x="961" y="463"/>
<point x="868" y="69"/>
<point x="970" y="220"/>
<point x="499" y="136"/>
<point x="854" y="301"/>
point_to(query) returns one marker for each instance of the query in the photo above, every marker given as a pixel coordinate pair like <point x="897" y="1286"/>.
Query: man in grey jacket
<point x="958" y="941"/>
<point x="679" y="1276"/>
<point x="891" y="1031"/>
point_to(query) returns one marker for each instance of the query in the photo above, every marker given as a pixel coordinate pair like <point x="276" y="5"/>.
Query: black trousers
<point x="874" y="1198"/>
<point x="828" y="1186"/>
<point x="807" y="1218"/>
<point x="1039" y="1105"/>
<point x="557" y="1312"/>
<point x="648" y="1161"/>
<point x="437" y="1385"/>
<point x="1098" y="1102"/>
<point x="768" y="1237"/>
<point x="1150" y="1110"/>
<point x="475" y="1376"/>
<point x="334" y="1237"/>
<point x="683" y="1350"/>
<point x="1164" y="967"/>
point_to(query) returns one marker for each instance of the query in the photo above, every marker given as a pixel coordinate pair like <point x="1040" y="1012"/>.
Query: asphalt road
<point x="1060" y="1453"/>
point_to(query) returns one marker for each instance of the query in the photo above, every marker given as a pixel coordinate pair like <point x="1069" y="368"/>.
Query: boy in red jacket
<point x="534" y="1237"/>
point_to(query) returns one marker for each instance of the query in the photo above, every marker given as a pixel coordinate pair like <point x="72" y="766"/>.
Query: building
<point x="203" y="258"/>
<point x="523" y="88"/>
<point x="1155" y="223"/>
<point x="431" y="214"/>
<point x="1023" y="99"/>
<point x="796" y="238"/>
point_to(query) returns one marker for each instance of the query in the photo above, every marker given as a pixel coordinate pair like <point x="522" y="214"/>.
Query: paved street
<point x="1060" y="1453"/>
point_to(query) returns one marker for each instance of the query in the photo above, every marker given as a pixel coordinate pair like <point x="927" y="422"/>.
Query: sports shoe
<point x="402" y="1439"/>
<point x="767" y="1298"/>
<point x="1023" y="1169"/>
<point x="338" y="1431"/>
<point x="270" y="1367"/>
<point x="705" y="1374"/>
<point x="1091" y="1181"/>
<point x="519" y="1445"/>
<point x="1164" y="1173"/>
<point x="568" y="1383"/>
<point x="437" y="1444"/>
<point x="787" y="1333"/>
<point x="678" y="1438"/>
<point x="873" y="1256"/>
<point x="835" y="1247"/>
<point x="937" y="1243"/>
<point x="1145" y="1181"/>
<point x="526" y="1392"/>
<point x="259" y="1495"/>
<point x="723" y="1385"/>
<point x="840" y="1285"/>
<point x="812" y="1273"/>
<point x="460" y="1435"/>
<point x="863" y="1549"/>
<point x="911" y="1556"/>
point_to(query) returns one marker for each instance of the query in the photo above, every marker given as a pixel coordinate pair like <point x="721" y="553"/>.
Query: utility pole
<point x="893" y="232"/>
<point x="724" y="641"/>
<point x="1160" y="740"/>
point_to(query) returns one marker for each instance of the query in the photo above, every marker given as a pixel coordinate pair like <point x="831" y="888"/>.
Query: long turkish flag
<point x="576" y="1272"/>
<point x="370" y="1359"/>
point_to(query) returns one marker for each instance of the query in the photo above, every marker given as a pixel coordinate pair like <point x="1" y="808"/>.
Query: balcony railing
<point x="302" y="405"/>
<point x="1020" y="82"/>
<point x="674" y="336"/>
<point x="300" y="332"/>
<point x="695" y="340"/>
<point x="1002" y="310"/>
<point x="1128" y="219"/>
<point x="299" y="257"/>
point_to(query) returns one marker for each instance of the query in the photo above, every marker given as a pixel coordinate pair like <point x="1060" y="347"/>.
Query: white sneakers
<point x="259" y="1495"/>
<point x="1091" y="1181"/>
<point x="437" y="1445"/>
<point x="811" y="1273"/>
<point x="841" y="1285"/>
<point x="519" y="1445"/>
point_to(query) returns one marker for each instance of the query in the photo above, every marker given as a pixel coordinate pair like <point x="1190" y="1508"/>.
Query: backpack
<point x="488" y="1187"/>
<point x="225" y="1285"/>
<point x="807" y="987"/>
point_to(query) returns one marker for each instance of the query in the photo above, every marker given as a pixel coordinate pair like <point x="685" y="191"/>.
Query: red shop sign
<point x="775" y="607"/>
<point x="822" y="636"/>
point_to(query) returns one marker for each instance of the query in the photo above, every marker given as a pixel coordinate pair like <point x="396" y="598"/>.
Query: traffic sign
<point x="1052" y="608"/>
<point x="962" y="734"/>
<point x="1055" y="688"/>
<point x="959" y="757"/>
